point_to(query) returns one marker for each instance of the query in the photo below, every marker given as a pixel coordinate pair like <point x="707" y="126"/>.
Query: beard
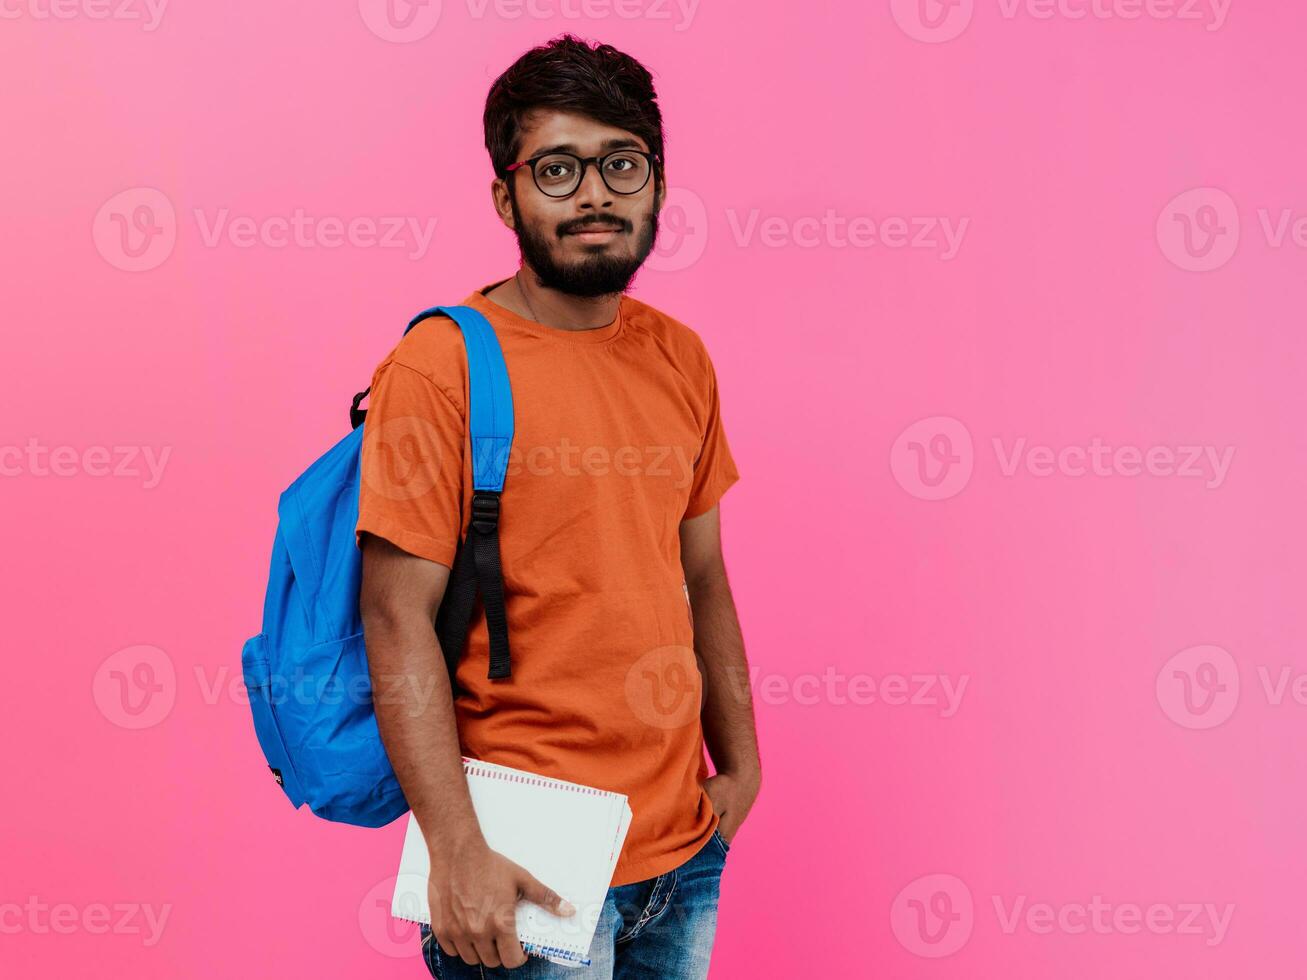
<point x="596" y="273"/>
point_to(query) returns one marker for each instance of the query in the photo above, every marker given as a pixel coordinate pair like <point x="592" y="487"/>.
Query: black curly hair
<point x="571" y="75"/>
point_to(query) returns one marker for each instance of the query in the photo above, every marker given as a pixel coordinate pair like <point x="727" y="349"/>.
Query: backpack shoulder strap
<point x="491" y="421"/>
<point x="477" y="568"/>
<point x="490" y="416"/>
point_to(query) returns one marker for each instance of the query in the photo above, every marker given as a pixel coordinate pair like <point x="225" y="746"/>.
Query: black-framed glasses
<point x="560" y="174"/>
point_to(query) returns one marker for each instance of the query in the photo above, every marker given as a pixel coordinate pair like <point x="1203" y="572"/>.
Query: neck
<point x="524" y="295"/>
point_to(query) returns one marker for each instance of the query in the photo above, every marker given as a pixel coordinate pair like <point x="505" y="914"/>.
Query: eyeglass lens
<point x="560" y="173"/>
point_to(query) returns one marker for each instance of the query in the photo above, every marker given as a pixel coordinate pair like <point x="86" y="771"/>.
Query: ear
<point x="499" y="196"/>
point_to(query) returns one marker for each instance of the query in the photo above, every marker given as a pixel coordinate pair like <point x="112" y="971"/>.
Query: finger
<point x="534" y="891"/>
<point x="441" y="936"/>
<point x="510" y="951"/>
<point x="467" y="952"/>
<point x="486" y="951"/>
<point x="480" y="937"/>
<point x="447" y="947"/>
<point x="440" y="927"/>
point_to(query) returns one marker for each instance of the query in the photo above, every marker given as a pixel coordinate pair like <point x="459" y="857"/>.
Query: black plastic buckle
<point x="485" y="511"/>
<point x="356" y="414"/>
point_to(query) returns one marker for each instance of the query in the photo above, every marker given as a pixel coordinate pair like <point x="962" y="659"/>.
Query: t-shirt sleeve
<point x="714" y="469"/>
<point x="411" y="485"/>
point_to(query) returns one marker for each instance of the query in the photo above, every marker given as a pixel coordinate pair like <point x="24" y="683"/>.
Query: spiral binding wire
<point x="495" y="771"/>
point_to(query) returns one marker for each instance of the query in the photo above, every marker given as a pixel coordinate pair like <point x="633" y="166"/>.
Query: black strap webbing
<point x="476" y="571"/>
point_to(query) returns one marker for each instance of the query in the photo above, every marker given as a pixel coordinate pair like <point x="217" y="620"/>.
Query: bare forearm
<point x="415" y="715"/>
<point x="728" y="723"/>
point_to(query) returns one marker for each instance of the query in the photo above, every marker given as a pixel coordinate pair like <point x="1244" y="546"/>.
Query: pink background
<point x="1081" y="761"/>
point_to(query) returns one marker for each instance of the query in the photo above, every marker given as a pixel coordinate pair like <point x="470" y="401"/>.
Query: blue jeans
<point x="661" y="929"/>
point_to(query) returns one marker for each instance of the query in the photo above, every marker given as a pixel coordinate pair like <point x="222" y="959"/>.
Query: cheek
<point x="540" y="218"/>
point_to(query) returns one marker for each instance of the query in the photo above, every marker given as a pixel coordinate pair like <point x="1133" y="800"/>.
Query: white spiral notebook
<point x="568" y="835"/>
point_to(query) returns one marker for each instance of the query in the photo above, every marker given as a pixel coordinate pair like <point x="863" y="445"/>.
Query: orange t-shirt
<point x="617" y="440"/>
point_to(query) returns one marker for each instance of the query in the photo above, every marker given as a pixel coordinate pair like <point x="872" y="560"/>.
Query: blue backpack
<point x="306" y="672"/>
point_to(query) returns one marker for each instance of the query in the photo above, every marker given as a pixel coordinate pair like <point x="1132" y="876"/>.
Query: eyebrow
<point x="616" y="143"/>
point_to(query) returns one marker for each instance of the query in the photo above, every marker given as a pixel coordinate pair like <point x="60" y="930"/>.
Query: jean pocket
<point x="721" y="842"/>
<point x="430" y="950"/>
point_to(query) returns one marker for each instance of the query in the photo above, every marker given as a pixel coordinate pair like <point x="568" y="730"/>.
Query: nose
<point x="592" y="192"/>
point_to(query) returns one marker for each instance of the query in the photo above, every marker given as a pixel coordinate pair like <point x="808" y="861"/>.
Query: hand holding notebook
<point x="567" y="835"/>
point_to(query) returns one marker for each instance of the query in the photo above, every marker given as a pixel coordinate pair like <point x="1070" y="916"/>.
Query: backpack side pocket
<point x="258" y="684"/>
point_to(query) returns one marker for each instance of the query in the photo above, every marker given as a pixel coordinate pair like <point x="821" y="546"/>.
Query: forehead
<point x="550" y="129"/>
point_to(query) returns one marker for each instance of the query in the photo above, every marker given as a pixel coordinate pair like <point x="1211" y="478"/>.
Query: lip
<point x="593" y="234"/>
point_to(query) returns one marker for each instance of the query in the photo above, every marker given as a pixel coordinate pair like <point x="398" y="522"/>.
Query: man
<point x="627" y="654"/>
